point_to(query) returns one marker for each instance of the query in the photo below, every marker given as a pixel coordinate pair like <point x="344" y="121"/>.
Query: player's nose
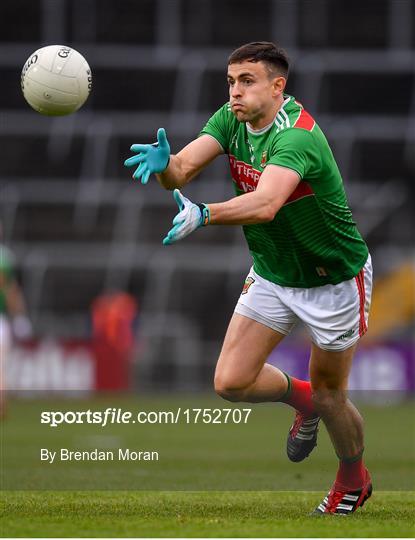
<point x="235" y="90"/>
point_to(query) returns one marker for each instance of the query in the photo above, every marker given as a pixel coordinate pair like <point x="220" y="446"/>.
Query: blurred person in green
<point x="14" y="322"/>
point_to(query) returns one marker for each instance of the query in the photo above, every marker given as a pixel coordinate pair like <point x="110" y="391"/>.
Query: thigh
<point x="330" y="369"/>
<point x="245" y="349"/>
<point x="336" y="316"/>
<point x="261" y="300"/>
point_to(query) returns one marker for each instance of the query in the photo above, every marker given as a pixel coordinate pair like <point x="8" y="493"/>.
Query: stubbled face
<point x="254" y="94"/>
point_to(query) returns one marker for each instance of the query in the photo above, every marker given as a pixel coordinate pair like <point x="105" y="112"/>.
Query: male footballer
<point x="309" y="261"/>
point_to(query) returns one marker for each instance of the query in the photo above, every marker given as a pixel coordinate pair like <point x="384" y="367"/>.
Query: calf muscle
<point x="329" y="373"/>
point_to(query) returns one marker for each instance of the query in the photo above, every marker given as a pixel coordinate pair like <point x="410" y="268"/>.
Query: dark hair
<point x="274" y="57"/>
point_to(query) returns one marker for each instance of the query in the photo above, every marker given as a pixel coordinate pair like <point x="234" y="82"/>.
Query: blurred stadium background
<point x="81" y="229"/>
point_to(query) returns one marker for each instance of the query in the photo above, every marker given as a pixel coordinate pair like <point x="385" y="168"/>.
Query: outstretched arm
<point x="189" y="162"/>
<point x="172" y="171"/>
<point x="274" y="187"/>
<point x="260" y="206"/>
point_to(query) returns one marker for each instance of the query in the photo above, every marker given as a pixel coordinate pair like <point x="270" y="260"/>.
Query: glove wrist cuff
<point x="204" y="214"/>
<point x="167" y="164"/>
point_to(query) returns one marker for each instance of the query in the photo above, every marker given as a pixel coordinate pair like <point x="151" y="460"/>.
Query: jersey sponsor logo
<point x="248" y="282"/>
<point x="244" y="175"/>
<point x="246" y="178"/>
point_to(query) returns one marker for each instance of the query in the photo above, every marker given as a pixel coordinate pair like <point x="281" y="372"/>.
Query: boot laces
<point x="298" y="422"/>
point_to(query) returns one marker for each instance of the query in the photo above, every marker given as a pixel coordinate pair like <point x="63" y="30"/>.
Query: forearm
<point x="189" y="162"/>
<point x="247" y="209"/>
<point x="259" y="206"/>
<point x="175" y="175"/>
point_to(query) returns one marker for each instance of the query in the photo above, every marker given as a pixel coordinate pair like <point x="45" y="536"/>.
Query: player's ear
<point x="278" y="85"/>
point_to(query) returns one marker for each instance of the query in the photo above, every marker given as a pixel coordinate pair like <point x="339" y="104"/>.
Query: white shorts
<point x="336" y="316"/>
<point x="5" y="347"/>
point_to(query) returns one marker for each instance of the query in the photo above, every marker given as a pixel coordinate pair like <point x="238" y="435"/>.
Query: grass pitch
<point x="203" y="465"/>
<point x="199" y="514"/>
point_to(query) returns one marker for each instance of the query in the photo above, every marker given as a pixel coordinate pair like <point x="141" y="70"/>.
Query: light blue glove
<point x="153" y="158"/>
<point x="191" y="217"/>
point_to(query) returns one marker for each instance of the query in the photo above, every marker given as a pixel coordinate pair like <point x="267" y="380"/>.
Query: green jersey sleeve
<point x="219" y="126"/>
<point x="296" y="149"/>
<point x="6" y="263"/>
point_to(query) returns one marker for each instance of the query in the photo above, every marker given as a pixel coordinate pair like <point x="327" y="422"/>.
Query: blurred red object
<point x="113" y="316"/>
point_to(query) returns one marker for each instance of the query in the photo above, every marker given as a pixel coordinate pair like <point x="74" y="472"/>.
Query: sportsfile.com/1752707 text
<point x="112" y="415"/>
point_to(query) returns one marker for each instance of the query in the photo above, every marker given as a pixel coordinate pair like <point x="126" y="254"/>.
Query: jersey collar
<point x="280" y="111"/>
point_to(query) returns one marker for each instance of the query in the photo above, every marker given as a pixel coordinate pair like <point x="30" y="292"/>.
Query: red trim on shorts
<point x="360" y="282"/>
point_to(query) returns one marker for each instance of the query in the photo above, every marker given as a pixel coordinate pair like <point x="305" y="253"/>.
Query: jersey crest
<point x="248" y="282"/>
<point x="264" y="158"/>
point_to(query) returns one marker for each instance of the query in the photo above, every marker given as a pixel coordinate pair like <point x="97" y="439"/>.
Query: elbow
<point x="268" y="213"/>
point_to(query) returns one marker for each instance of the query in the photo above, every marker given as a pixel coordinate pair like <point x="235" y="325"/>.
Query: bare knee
<point x="229" y="389"/>
<point x="328" y="402"/>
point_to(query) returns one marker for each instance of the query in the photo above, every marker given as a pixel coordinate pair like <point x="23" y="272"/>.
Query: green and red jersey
<point x="313" y="239"/>
<point x="6" y="275"/>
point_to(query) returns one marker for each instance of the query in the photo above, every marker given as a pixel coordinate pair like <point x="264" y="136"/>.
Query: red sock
<point x="298" y="396"/>
<point x="351" y="474"/>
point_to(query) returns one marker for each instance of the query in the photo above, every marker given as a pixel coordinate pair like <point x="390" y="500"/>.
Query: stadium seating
<point x="80" y="225"/>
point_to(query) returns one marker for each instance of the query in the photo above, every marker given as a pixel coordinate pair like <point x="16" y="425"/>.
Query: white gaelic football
<point x="56" y="80"/>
